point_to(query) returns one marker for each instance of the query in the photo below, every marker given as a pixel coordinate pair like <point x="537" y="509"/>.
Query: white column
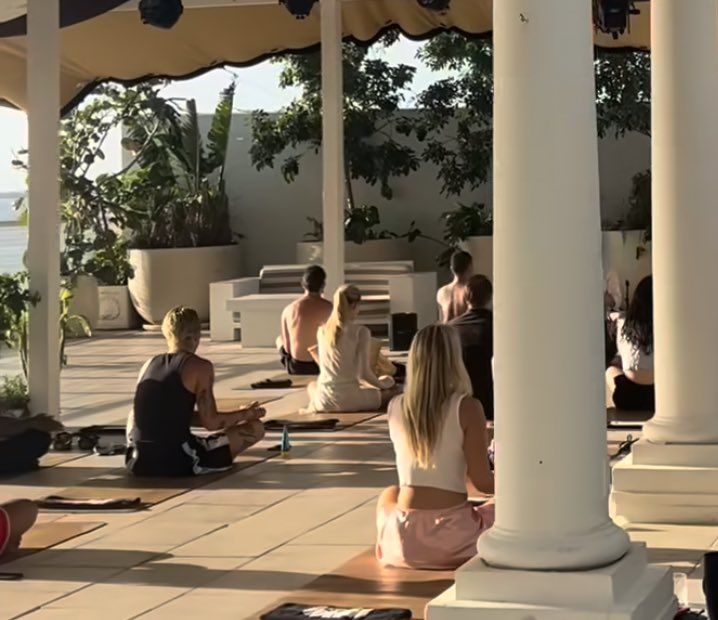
<point x="43" y="96"/>
<point x="552" y="523"/>
<point x="332" y="143"/>
<point x="684" y="79"/>
<point x="672" y="475"/>
<point x="552" y="509"/>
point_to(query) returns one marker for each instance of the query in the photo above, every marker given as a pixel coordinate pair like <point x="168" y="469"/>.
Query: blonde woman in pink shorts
<point x="439" y="436"/>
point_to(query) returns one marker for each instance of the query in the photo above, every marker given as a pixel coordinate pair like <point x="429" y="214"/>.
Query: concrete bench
<point x="256" y="304"/>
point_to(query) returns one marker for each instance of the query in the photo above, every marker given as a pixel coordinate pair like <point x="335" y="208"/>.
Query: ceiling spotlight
<point x="440" y="6"/>
<point x="299" y="8"/>
<point x="613" y="16"/>
<point x="161" y="13"/>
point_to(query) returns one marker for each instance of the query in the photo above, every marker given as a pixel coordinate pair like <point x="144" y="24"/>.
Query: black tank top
<point x="163" y="406"/>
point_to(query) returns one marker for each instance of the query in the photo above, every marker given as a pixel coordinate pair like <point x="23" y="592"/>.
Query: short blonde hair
<point x="180" y="323"/>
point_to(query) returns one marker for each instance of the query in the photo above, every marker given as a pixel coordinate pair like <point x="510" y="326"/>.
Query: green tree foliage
<point x="374" y="91"/>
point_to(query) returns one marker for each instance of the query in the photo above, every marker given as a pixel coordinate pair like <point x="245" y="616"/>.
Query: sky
<point x="257" y="89"/>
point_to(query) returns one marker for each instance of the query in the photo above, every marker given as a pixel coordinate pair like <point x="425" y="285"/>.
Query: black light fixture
<point x="299" y="8"/>
<point x="613" y="16"/>
<point x="161" y="13"/>
<point x="440" y="6"/>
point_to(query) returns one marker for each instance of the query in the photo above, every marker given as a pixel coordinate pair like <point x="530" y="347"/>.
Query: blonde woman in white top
<point x="346" y="380"/>
<point x="439" y="436"/>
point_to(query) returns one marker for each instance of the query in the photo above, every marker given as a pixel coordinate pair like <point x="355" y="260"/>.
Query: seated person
<point x="300" y="322"/>
<point x="439" y="436"/>
<point x="631" y="383"/>
<point x="23" y="441"/>
<point x="16" y="518"/>
<point x="346" y="380"/>
<point x="452" y="297"/>
<point x="475" y="329"/>
<point x="160" y="440"/>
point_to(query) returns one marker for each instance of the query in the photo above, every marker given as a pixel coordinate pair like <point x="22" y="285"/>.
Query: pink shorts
<point x="4" y="530"/>
<point x="431" y="539"/>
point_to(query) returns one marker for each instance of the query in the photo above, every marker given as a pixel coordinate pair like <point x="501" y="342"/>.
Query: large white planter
<point x="179" y="277"/>
<point x="378" y="250"/>
<point x="621" y="255"/>
<point x="116" y="309"/>
<point x="85" y="301"/>
<point x="482" y="251"/>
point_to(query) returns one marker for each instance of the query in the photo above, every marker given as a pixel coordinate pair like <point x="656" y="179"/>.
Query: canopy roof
<point x="105" y="39"/>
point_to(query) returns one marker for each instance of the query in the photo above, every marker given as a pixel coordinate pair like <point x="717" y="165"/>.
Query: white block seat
<point x="256" y="304"/>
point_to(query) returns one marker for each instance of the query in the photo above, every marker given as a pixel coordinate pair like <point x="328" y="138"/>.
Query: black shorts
<point x="296" y="367"/>
<point x="194" y="457"/>
<point x="631" y="396"/>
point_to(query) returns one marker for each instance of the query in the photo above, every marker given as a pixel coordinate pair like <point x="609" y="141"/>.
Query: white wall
<point x="271" y="214"/>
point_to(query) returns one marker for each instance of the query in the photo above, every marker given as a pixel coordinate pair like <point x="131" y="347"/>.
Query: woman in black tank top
<point x="161" y="442"/>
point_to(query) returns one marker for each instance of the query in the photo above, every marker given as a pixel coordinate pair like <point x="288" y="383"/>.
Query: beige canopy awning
<point x="116" y="46"/>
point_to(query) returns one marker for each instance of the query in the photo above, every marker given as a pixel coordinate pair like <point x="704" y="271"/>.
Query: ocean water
<point x="13" y="242"/>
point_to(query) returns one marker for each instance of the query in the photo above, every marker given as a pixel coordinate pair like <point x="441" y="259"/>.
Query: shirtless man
<point x="175" y="393"/>
<point x="300" y="322"/>
<point x="452" y="297"/>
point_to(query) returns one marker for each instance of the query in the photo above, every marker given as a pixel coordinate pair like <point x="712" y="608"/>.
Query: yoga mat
<point x="618" y="417"/>
<point x="118" y="484"/>
<point x="298" y="381"/>
<point x="363" y="582"/>
<point x="344" y="420"/>
<point x="46" y="535"/>
<point x="237" y="402"/>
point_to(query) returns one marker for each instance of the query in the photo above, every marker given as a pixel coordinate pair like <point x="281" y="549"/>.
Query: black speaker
<point x="710" y="583"/>
<point x="402" y="331"/>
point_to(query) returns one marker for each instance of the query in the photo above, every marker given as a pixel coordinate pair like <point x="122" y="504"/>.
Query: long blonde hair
<point x="345" y="300"/>
<point x="435" y="372"/>
<point x="179" y="324"/>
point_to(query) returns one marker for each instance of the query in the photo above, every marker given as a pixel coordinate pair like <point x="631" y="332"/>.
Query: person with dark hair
<point x="632" y="383"/>
<point x="24" y="441"/>
<point x="300" y="321"/>
<point x="175" y="392"/>
<point x="475" y="329"/>
<point x="452" y="297"/>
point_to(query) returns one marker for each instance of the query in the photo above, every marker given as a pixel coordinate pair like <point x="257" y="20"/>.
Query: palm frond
<point x="219" y="132"/>
<point x="192" y="144"/>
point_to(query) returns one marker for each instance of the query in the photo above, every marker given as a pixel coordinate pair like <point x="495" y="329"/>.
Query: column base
<point x="626" y="590"/>
<point x="667" y="483"/>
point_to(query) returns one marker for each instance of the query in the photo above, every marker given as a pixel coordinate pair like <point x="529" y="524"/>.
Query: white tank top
<point x="448" y="470"/>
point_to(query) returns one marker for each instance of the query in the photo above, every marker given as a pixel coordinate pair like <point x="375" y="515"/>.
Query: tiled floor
<point x="235" y="546"/>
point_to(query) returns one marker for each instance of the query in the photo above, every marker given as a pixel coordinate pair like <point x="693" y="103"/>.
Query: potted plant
<point x="180" y="236"/>
<point x="93" y="206"/>
<point x="365" y="241"/>
<point x="470" y="227"/>
<point x="626" y="243"/>
<point x="14" y="397"/>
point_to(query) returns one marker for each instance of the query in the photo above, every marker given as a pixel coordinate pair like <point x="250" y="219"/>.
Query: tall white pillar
<point x="332" y="143"/>
<point x="551" y="470"/>
<point x="684" y="80"/>
<point x="672" y="475"/>
<point x="43" y="96"/>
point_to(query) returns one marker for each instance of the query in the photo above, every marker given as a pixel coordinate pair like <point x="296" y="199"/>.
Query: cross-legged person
<point x="346" y="380"/>
<point x="439" y="435"/>
<point x="452" y="297"/>
<point x="300" y="321"/>
<point x="16" y="518"/>
<point x="632" y="383"/>
<point x="170" y="386"/>
<point x="475" y="329"/>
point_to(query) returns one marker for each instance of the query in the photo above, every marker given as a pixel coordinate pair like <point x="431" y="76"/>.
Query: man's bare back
<point x="300" y="322"/>
<point x="452" y="301"/>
